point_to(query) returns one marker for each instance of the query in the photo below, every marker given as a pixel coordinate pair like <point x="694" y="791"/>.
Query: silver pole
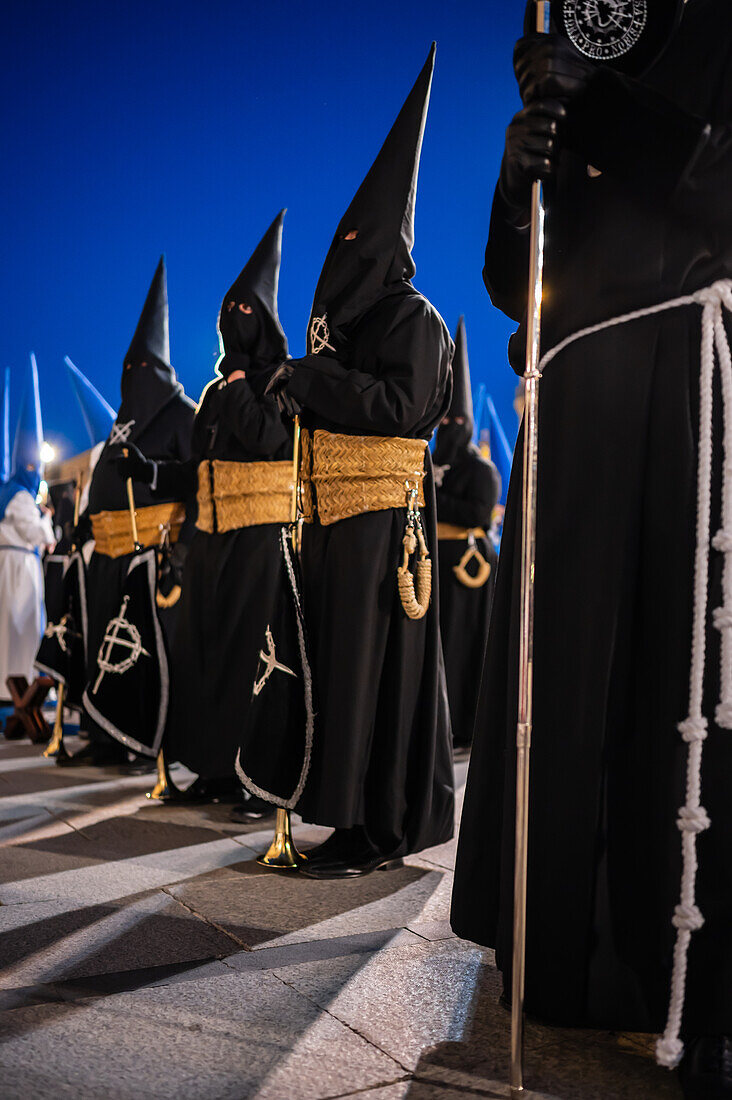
<point x="526" y="632"/>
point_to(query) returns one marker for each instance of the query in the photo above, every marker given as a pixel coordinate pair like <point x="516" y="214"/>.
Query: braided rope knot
<point x="723" y="541"/>
<point x="723" y="715"/>
<point x="715" y="295"/>
<point x="722" y="618"/>
<point x="693" y="819"/>
<point x="693" y="729"/>
<point x="688" y="916"/>
<point x="668" y="1052"/>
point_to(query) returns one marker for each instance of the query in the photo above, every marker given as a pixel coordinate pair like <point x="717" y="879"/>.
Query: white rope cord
<point x="693" y="818"/>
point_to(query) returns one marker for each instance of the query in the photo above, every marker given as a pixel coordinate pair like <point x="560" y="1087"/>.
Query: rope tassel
<point x="414" y="601"/>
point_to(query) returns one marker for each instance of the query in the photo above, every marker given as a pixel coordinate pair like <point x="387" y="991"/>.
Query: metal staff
<point x="526" y="629"/>
<point x="56" y="748"/>
<point x="282" y="853"/>
<point x="165" y="789"/>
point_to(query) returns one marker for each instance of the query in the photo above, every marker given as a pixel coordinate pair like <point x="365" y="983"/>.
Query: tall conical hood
<point x="29" y="432"/>
<point x="98" y="416"/>
<point x="148" y="380"/>
<point x="378" y="260"/>
<point x="152" y="336"/>
<point x="452" y="436"/>
<point x="252" y="337"/>
<point x="5" y="427"/>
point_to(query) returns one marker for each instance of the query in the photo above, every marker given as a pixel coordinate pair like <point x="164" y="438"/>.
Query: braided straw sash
<point x="245" y="494"/>
<point x="347" y="475"/>
<point x="113" y="530"/>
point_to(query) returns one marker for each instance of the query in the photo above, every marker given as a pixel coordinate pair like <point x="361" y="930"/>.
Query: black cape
<point x="615" y="545"/>
<point x="382" y="753"/>
<point x="466" y="497"/>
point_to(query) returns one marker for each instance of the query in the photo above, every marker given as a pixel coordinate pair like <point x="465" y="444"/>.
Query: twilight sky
<point x="135" y="127"/>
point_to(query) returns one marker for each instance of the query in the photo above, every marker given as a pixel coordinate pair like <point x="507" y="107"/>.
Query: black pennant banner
<point x="62" y="652"/>
<point x="277" y="738"/>
<point x="128" y="693"/>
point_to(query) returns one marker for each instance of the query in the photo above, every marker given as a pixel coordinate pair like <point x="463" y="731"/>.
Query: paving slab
<point x="407" y="1000"/>
<point x="216" y="1039"/>
<point x="263" y="908"/>
<point x="364" y="943"/>
<point x="115" y="879"/>
<point x="123" y="837"/>
<point x="150" y="931"/>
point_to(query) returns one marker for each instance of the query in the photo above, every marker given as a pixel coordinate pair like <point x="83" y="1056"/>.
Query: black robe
<point x="466" y="497"/>
<point x="614" y="560"/>
<point x="381" y="754"/>
<point x="229" y="586"/>
<point x="166" y="436"/>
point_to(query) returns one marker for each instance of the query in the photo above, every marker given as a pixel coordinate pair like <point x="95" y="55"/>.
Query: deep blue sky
<point x="134" y="128"/>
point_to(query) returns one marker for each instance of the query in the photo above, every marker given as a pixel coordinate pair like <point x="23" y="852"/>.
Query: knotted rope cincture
<point x="693" y="818"/>
<point x="415" y="603"/>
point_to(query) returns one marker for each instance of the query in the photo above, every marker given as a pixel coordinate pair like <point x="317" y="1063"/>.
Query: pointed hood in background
<point x="148" y="380"/>
<point x="5" y="427"/>
<point x="27" y="466"/>
<point x="98" y="416"/>
<point x="453" y="438"/>
<point x="254" y="340"/>
<point x="378" y="261"/>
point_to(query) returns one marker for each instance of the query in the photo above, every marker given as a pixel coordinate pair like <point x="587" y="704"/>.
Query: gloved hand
<point x="531" y="152"/>
<point x="134" y="464"/>
<point x="548" y="67"/>
<point x="277" y="388"/>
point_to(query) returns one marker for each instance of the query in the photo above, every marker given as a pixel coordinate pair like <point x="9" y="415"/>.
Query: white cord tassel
<point x="693" y="818"/>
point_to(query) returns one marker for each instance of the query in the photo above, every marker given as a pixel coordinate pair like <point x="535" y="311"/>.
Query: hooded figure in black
<point x="650" y="222"/>
<point x="468" y="488"/>
<point x="379" y="366"/>
<point x="230" y="574"/>
<point x="156" y="416"/>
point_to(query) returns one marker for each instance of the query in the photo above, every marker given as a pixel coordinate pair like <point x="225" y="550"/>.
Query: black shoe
<point x="252" y="809"/>
<point x="332" y="847"/>
<point x="141" y="765"/>
<point x="359" y="864"/>
<point x="226" y="789"/>
<point x="705" y="1072"/>
<point x="95" y="755"/>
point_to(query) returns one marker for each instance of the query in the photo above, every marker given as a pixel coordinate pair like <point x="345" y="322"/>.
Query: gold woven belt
<point x="243" y="494"/>
<point x="347" y="475"/>
<point x="452" y="531"/>
<point x="113" y="530"/>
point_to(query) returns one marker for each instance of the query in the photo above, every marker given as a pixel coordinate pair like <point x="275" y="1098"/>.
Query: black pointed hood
<point x="148" y="380"/>
<point x="453" y="438"/>
<point x="378" y="261"/>
<point x="252" y="338"/>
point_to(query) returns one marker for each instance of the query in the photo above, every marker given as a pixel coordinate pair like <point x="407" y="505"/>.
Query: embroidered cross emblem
<point x="319" y="335"/>
<point x="270" y="662"/>
<point x="120" y="633"/>
<point x="120" y="433"/>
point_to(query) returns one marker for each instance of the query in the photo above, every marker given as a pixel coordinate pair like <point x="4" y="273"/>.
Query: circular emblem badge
<point x="605" y="29"/>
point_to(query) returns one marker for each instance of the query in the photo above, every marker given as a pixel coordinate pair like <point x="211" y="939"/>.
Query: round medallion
<point x="605" y="29"/>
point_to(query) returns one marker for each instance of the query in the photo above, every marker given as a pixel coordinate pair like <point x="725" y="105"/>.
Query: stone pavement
<point x="144" y="954"/>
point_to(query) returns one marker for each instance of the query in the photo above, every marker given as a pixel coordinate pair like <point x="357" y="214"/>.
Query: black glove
<point x="134" y="464"/>
<point x="530" y="154"/>
<point x="277" y="388"/>
<point x="548" y="67"/>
